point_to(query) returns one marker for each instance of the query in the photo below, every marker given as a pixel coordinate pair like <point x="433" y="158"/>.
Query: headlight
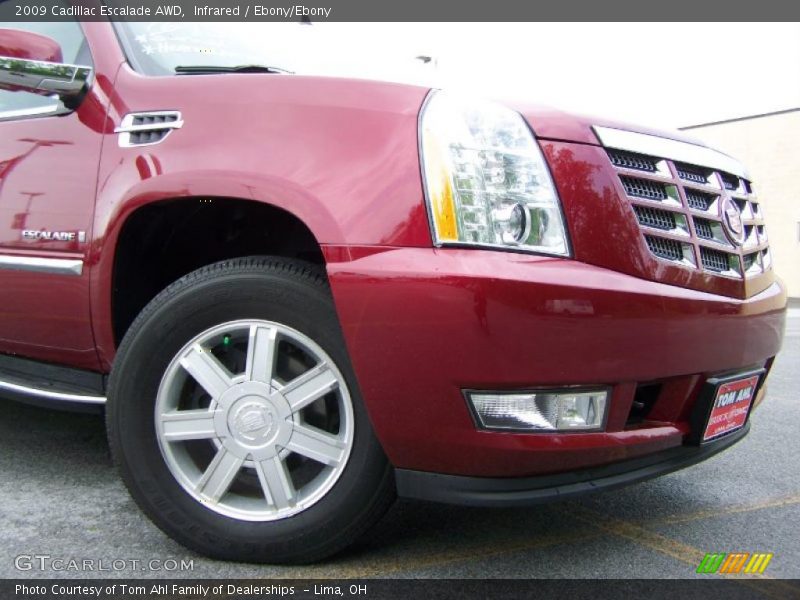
<point x="486" y="180"/>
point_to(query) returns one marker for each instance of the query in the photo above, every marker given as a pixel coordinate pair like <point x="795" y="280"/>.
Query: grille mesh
<point x="698" y="200"/>
<point x="692" y="173"/>
<point x="643" y="188"/>
<point x="748" y="260"/>
<point x="714" y="260"/>
<point x="703" y="229"/>
<point x="729" y="181"/>
<point x="628" y="160"/>
<point x="653" y="217"/>
<point x="664" y="248"/>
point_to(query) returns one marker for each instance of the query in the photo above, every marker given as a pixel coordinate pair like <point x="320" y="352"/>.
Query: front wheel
<point x="236" y="421"/>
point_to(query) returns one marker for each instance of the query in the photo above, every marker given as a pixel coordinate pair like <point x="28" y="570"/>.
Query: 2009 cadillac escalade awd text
<point x="300" y="297"/>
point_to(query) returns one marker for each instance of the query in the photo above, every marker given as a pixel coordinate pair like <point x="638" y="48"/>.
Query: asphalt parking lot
<point x="60" y="496"/>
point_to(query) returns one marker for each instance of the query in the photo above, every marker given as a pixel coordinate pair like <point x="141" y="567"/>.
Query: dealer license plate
<point x="731" y="405"/>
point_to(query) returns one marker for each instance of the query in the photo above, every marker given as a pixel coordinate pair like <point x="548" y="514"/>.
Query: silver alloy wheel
<point x="254" y="420"/>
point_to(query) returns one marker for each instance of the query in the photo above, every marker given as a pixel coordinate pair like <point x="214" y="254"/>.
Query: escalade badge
<point x="732" y="219"/>
<point x="54" y="236"/>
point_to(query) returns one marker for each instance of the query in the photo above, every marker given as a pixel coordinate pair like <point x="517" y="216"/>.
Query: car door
<point x="48" y="175"/>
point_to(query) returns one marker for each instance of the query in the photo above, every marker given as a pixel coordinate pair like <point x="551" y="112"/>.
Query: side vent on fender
<point x="147" y="128"/>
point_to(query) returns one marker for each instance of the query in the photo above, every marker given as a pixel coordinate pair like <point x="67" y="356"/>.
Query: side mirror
<point x="32" y="62"/>
<point x="15" y="43"/>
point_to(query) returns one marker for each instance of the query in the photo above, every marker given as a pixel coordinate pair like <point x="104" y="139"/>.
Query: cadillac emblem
<point x="732" y="220"/>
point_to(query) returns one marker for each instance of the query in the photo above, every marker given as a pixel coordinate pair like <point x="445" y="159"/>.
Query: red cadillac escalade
<point x="298" y="298"/>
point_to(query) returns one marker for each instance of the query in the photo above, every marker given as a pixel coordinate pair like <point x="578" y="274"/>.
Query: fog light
<point x="541" y="411"/>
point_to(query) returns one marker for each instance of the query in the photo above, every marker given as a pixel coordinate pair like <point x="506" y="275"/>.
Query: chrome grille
<point x="714" y="260"/>
<point x="692" y="173"/>
<point x="637" y="162"/>
<point x="653" y="217"/>
<point x="699" y="200"/>
<point x="749" y="261"/>
<point x="703" y="229"/>
<point x="680" y="208"/>
<point x="643" y="188"/>
<point x="729" y="181"/>
<point x="664" y="248"/>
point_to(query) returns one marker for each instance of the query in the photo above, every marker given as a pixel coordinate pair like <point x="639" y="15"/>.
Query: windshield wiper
<point x="211" y="69"/>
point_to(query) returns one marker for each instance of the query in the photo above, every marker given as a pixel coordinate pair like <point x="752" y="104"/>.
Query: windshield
<point x="158" y="48"/>
<point x="332" y="49"/>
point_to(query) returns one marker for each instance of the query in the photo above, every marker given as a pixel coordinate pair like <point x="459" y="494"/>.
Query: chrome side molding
<point x="55" y="266"/>
<point x="660" y="147"/>
<point x="50" y="394"/>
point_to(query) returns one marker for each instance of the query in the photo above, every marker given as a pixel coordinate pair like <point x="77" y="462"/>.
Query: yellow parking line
<point x="602" y="524"/>
<point x="635" y="533"/>
<point x="394" y="565"/>
<point x="678" y="550"/>
<point x="717" y="512"/>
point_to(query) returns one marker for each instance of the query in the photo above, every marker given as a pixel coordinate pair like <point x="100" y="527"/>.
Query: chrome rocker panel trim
<point x="50" y="395"/>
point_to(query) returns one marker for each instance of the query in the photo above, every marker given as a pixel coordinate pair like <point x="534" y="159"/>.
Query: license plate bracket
<point x="724" y="405"/>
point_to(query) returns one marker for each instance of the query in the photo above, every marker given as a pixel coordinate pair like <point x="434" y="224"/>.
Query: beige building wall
<point x="769" y="146"/>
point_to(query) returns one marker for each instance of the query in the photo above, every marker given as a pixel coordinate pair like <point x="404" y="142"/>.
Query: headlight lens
<point x="486" y="181"/>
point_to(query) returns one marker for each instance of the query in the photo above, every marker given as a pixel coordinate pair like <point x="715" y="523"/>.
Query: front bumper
<point x="423" y="324"/>
<point x="523" y="491"/>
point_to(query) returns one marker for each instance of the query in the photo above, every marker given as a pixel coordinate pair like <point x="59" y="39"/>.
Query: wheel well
<point x="161" y="242"/>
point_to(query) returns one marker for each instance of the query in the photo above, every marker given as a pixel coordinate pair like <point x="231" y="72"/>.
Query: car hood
<point x="553" y="124"/>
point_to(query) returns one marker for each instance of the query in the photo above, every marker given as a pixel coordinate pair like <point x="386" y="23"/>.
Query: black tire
<point x="289" y="292"/>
